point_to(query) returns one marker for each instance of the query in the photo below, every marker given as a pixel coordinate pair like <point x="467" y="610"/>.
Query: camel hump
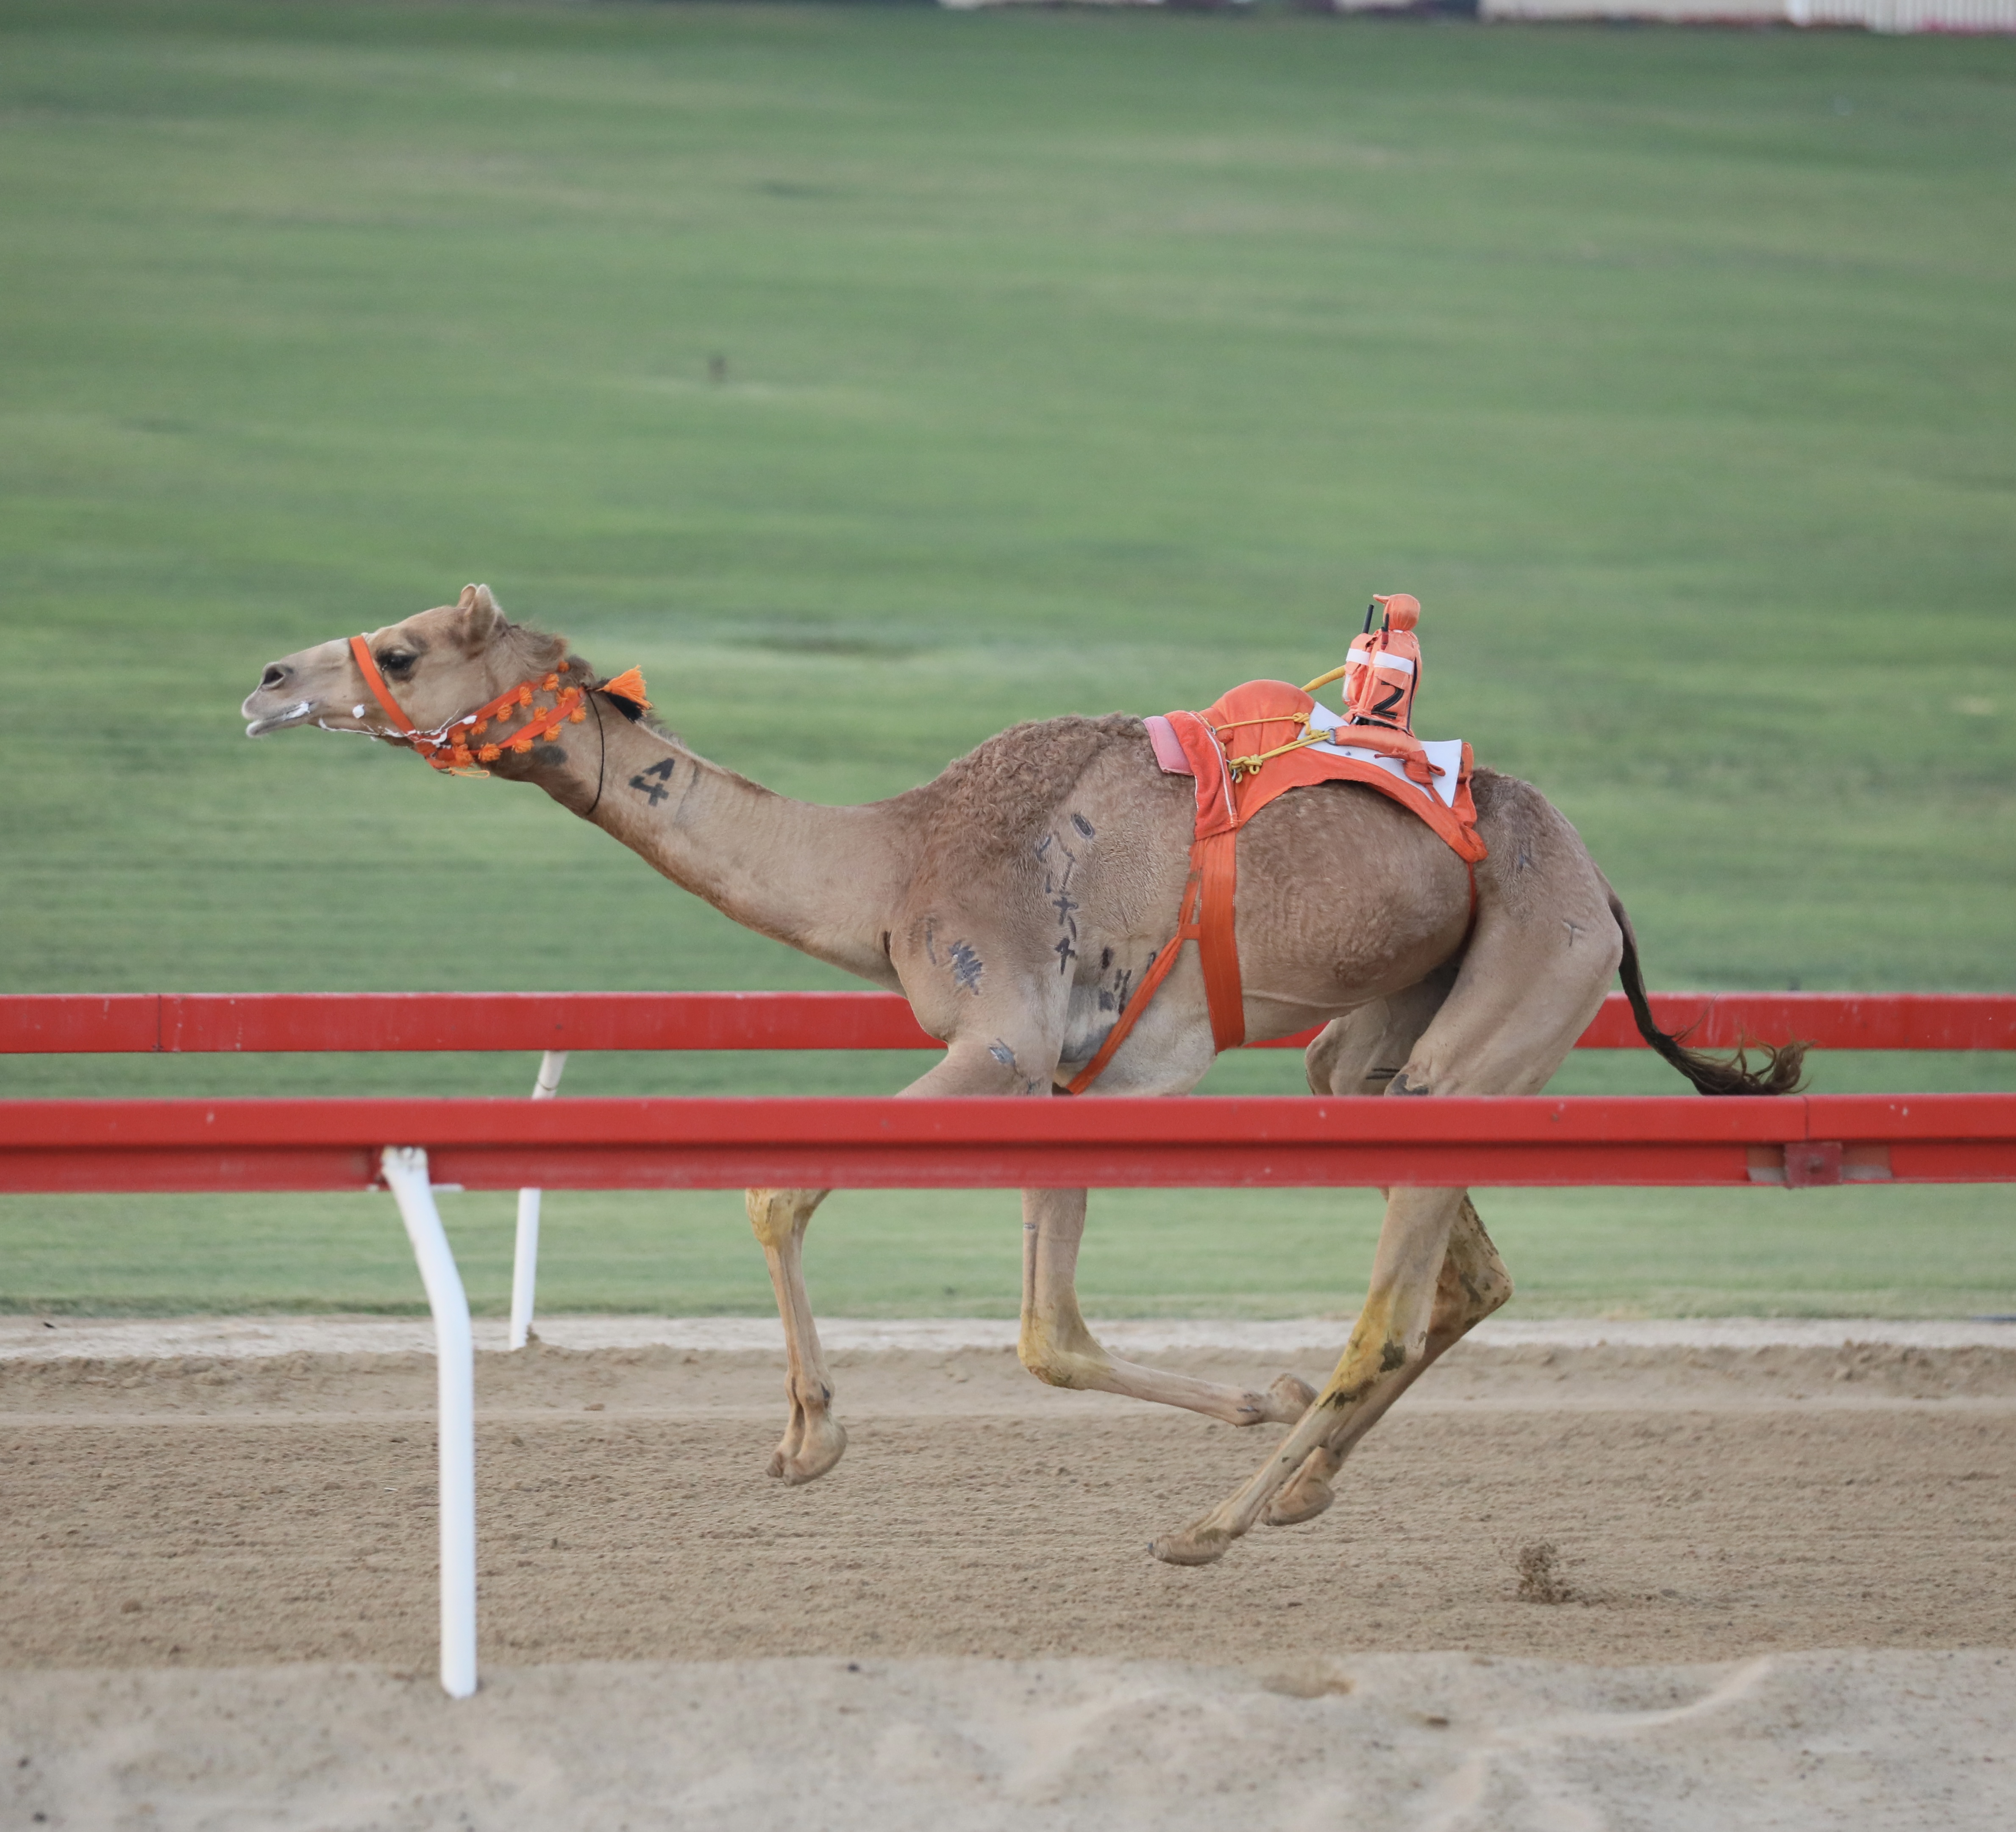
<point x="993" y="801"/>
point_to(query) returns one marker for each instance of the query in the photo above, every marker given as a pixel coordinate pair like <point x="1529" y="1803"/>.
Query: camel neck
<point x="823" y="880"/>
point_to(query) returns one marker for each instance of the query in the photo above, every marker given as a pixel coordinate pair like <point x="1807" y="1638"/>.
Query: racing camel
<point x="1017" y="901"/>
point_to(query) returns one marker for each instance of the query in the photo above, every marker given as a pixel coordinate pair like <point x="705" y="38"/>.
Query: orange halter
<point x="448" y="747"/>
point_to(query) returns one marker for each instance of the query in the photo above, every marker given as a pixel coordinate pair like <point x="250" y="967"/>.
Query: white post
<point x="525" y="1259"/>
<point x="404" y="1169"/>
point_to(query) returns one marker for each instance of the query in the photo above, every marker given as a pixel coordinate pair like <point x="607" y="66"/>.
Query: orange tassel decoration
<point x="628" y="685"/>
<point x="459" y="748"/>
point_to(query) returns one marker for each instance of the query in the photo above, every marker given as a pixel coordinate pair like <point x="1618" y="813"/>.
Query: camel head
<point x="439" y="665"/>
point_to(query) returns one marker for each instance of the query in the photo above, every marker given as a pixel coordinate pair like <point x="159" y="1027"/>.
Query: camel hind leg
<point x="1472" y="1283"/>
<point x="1361" y="1054"/>
<point x="1059" y="1348"/>
<point x="1057" y="1345"/>
<point x="1532" y="978"/>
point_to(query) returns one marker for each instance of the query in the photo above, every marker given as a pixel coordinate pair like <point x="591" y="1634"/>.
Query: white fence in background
<point x="525" y="1258"/>
<point x="1906" y="16"/>
<point x="1876" y="15"/>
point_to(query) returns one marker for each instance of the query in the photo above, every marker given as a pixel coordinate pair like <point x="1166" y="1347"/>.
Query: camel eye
<point x="398" y="663"/>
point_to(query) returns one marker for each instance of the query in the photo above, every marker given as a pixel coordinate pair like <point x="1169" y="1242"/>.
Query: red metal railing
<point x="1212" y="1142"/>
<point x="136" y="1145"/>
<point x="181" y="1022"/>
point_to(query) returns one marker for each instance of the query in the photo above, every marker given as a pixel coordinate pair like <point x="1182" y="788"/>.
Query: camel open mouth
<point x="293" y="715"/>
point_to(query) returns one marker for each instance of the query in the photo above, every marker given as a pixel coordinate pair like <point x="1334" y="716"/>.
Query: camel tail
<point x="1783" y="1063"/>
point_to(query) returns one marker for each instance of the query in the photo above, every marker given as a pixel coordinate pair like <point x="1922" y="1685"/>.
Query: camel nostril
<point x="273" y="676"/>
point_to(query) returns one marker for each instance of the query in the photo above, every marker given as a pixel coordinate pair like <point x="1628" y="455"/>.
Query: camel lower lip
<point x="292" y="715"/>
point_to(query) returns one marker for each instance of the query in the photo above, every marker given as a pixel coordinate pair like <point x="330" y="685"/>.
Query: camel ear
<point x="483" y="621"/>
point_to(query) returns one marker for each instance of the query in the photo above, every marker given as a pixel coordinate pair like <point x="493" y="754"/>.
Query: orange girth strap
<point x="1217" y="938"/>
<point x="449" y="748"/>
<point x="1205" y="916"/>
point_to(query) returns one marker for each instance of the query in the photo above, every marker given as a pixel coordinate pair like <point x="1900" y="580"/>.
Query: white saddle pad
<point x="1445" y="753"/>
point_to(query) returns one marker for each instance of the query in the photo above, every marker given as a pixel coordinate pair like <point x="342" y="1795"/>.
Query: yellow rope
<point x="1267" y="719"/>
<point x="1245" y="766"/>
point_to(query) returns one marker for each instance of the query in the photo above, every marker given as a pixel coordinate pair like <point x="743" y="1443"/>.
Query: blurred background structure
<point x="1875" y="15"/>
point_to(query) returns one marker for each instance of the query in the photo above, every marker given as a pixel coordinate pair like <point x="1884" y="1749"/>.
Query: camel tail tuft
<point x="1784" y="1064"/>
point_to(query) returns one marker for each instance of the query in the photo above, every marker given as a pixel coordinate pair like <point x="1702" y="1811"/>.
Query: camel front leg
<point x="1390" y="1337"/>
<point x="1473" y="1283"/>
<point x="814" y="1440"/>
<point x="1057" y="1347"/>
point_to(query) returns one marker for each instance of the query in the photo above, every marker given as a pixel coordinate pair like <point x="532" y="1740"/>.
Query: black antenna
<point x="1371" y="611"/>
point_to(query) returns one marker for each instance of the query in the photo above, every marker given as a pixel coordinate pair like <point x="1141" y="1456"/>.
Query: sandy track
<point x="1709" y="1503"/>
<point x="193" y="1546"/>
<point x="1426" y="1743"/>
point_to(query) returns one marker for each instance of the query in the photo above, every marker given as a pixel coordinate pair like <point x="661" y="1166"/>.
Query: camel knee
<point x="811" y="1392"/>
<point x="1474" y="1281"/>
<point x="1060" y="1351"/>
<point x="778" y="1215"/>
<point x="1362" y="1052"/>
<point x="1486" y="1288"/>
<point x="1356" y="1054"/>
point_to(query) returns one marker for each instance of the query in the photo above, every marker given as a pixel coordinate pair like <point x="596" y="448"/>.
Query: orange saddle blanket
<point x="1264" y="738"/>
<point x="1258" y="741"/>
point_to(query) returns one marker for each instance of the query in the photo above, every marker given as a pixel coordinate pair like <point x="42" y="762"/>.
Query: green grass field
<point x="1068" y="362"/>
